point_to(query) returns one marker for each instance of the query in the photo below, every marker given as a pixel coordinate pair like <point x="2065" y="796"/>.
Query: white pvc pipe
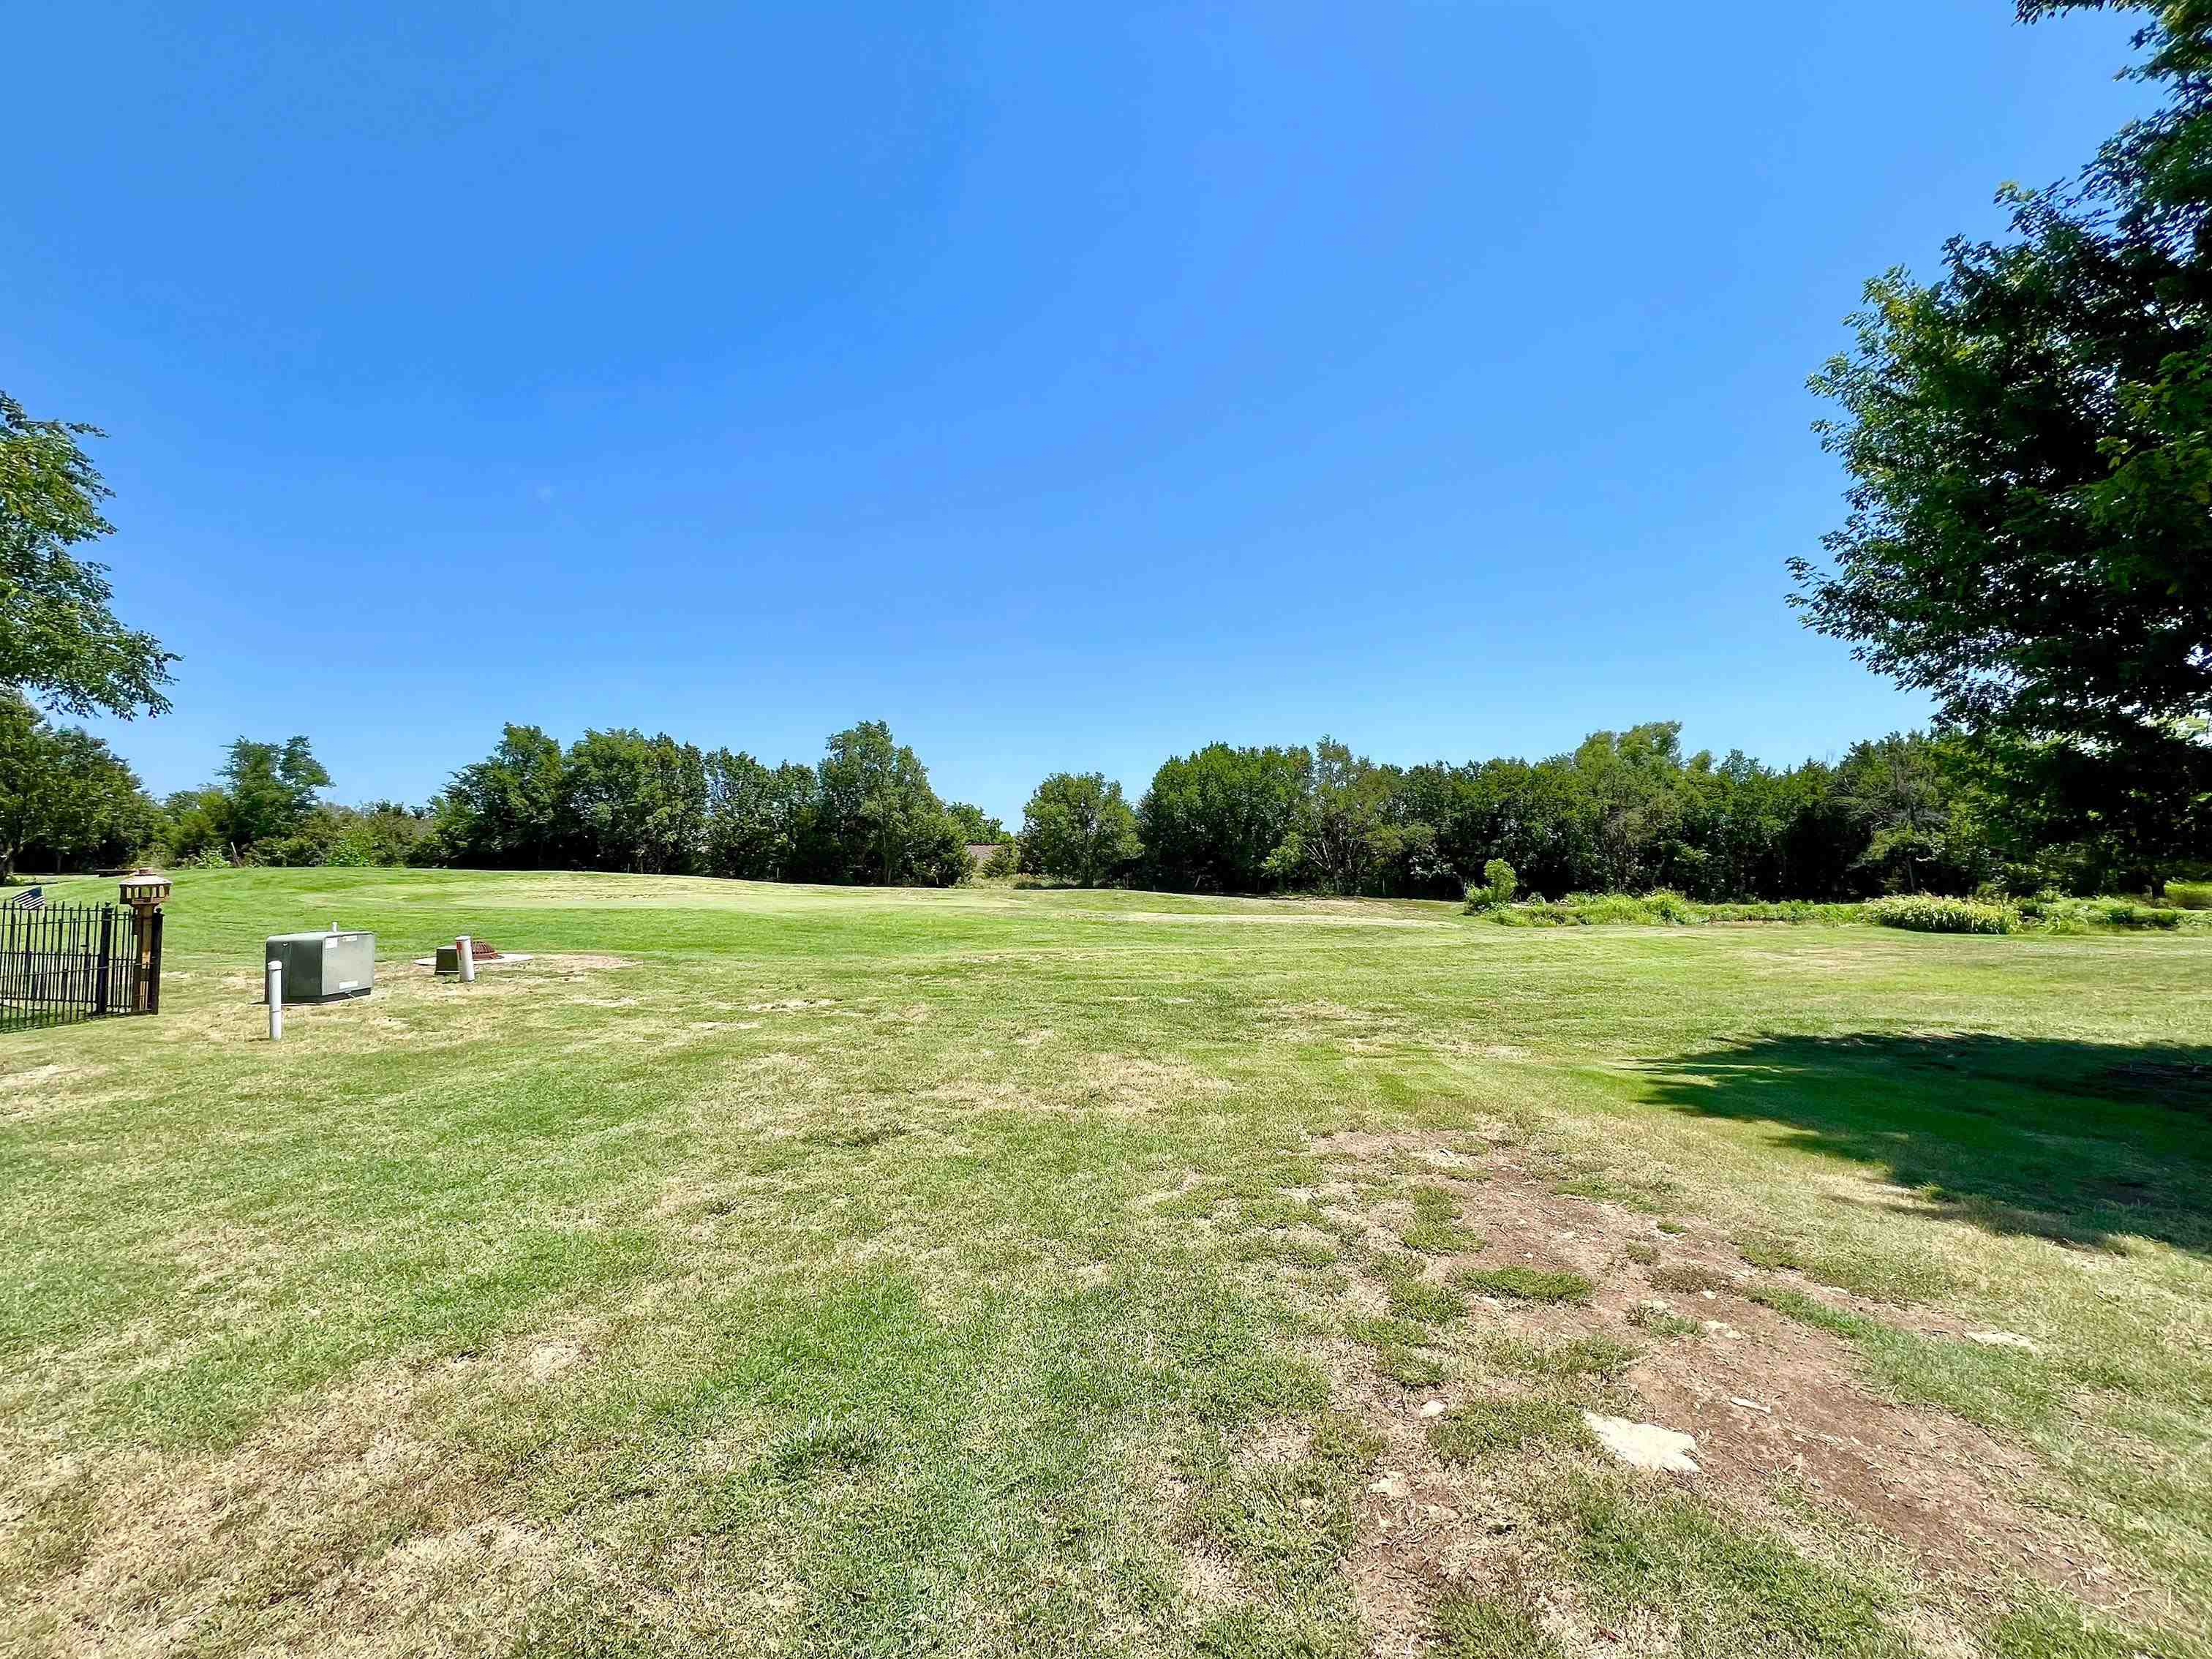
<point x="276" y="995"/>
<point x="465" y="954"/>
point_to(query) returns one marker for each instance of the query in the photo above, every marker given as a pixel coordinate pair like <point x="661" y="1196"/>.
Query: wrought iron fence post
<point x="106" y="971"/>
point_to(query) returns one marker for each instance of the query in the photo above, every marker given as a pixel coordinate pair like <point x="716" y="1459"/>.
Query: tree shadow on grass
<point x="2081" y="1143"/>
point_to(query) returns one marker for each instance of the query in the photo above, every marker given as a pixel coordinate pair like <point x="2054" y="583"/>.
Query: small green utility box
<point x="325" y="967"/>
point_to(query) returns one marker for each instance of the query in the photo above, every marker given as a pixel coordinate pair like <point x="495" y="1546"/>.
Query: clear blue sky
<point x="1068" y="386"/>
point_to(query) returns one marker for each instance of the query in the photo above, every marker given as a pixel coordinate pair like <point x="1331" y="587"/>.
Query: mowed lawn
<point x="786" y="1270"/>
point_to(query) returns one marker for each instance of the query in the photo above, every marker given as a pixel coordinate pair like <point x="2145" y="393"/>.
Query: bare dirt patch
<point x="577" y="961"/>
<point x="1771" y="1403"/>
<point x="1925" y="1478"/>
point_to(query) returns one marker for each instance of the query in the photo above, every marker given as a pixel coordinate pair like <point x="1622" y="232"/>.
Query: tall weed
<point x="1923" y="913"/>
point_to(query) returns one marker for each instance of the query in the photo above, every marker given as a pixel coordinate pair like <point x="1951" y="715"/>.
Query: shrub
<point x="1796" y="912"/>
<point x="1923" y="913"/>
<point x="292" y="852"/>
<point x="2052" y="914"/>
<point x="1664" y="908"/>
<point x="1602" y="909"/>
<point x="352" y="852"/>
<point x="1500" y="883"/>
<point x="2190" y="894"/>
<point x="2140" y="915"/>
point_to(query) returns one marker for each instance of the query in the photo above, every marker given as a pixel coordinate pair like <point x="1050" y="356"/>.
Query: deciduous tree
<point x="269" y="789"/>
<point x="59" y="641"/>
<point x="509" y="811"/>
<point x="638" y="804"/>
<point x="2029" y="439"/>
<point x="876" y="818"/>
<point x="976" y="827"/>
<point x="61" y="789"/>
<point x="1211" y="819"/>
<point x="1077" y="827"/>
<point x="757" y="816"/>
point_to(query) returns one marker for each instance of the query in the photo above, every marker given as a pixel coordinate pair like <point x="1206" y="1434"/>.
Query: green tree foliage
<point x="510" y="809"/>
<point x="1349" y="831"/>
<point x="1211" y="820"/>
<point x="269" y="790"/>
<point x="621" y="800"/>
<point x="194" y="827"/>
<point x="1623" y="811"/>
<point x="759" y="817"/>
<point x="384" y="832"/>
<point x="636" y="803"/>
<point x="1912" y="798"/>
<point x="1499" y="886"/>
<point x="60" y="642"/>
<point x="62" y="793"/>
<point x="1077" y="827"/>
<point x="976" y="827"/>
<point x="877" y="820"/>
<point x="266" y="808"/>
<point x="2030" y="442"/>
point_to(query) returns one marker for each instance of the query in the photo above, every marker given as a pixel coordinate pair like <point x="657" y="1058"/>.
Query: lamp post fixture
<point x="144" y="890"/>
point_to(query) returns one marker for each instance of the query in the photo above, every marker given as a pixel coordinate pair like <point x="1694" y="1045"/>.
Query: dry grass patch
<point x="348" y="1519"/>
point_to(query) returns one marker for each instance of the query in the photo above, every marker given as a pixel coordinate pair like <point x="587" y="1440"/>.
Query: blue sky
<point x="1069" y="386"/>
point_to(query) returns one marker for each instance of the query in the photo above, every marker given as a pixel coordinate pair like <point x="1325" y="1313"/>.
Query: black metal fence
<point x="69" y="962"/>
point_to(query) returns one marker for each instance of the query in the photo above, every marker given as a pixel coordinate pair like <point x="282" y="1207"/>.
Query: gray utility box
<point x="325" y="967"/>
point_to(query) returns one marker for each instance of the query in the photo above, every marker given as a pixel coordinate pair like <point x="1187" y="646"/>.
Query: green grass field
<point x="784" y="1270"/>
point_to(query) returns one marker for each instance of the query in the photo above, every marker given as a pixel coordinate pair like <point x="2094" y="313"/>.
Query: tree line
<point x="863" y="814"/>
<point x="1623" y="811"/>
